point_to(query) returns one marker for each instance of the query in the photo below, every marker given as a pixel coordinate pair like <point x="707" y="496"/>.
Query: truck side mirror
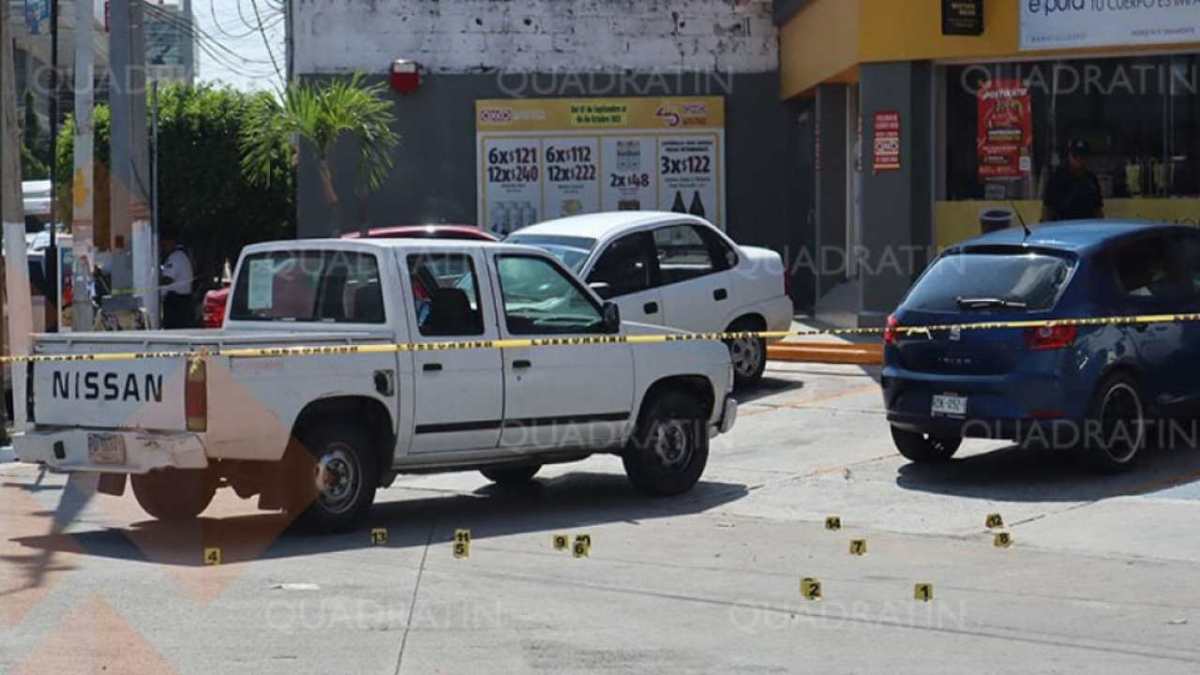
<point x="612" y="318"/>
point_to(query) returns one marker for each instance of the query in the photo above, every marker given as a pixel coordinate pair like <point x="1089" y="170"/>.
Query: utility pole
<point x="83" y="183"/>
<point x="12" y="214"/>
<point x="134" y="260"/>
<point x="50" y="261"/>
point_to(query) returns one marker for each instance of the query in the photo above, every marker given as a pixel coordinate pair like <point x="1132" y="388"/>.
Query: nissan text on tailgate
<point x="316" y="434"/>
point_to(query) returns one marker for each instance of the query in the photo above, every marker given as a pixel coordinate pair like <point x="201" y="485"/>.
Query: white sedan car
<point x="674" y="270"/>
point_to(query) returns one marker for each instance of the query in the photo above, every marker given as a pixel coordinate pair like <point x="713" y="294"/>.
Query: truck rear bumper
<point x="103" y="451"/>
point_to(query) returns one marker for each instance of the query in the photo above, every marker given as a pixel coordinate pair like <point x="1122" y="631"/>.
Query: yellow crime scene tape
<point x="578" y="341"/>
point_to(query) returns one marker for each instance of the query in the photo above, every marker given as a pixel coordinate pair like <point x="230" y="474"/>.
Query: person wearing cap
<point x="1073" y="191"/>
<point x="175" y="283"/>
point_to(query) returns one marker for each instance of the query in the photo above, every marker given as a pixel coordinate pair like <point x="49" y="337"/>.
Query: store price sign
<point x="547" y="158"/>
<point x="887" y="141"/>
<point x="511" y="177"/>
<point x="688" y="175"/>
<point x="572" y="171"/>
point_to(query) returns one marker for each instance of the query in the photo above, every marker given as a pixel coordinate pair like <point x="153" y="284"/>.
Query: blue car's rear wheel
<point x="1115" y="431"/>
<point x="919" y="447"/>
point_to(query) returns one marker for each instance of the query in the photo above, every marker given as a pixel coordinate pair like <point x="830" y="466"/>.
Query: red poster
<point x="887" y="141"/>
<point x="1005" y="136"/>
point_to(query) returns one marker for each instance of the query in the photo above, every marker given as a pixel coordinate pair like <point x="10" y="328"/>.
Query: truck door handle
<point x="431" y="367"/>
<point x="522" y="363"/>
<point x="720" y="294"/>
<point x="650" y="308"/>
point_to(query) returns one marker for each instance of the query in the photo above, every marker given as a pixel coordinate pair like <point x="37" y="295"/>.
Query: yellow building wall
<point x="819" y="44"/>
<point x="827" y="39"/>
<point x="911" y="30"/>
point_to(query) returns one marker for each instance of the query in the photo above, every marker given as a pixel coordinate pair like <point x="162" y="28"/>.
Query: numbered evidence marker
<point x="561" y="542"/>
<point x="462" y="543"/>
<point x="833" y="523"/>
<point x="212" y="556"/>
<point x="1002" y="540"/>
<point x="858" y="547"/>
<point x="583" y="546"/>
<point x="923" y="592"/>
<point x="810" y="588"/>
<point x="379" y="536"/>
<point x="994" y="521"/>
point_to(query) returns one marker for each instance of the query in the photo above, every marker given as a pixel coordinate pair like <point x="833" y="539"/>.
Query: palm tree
<point x="320" y="116"/>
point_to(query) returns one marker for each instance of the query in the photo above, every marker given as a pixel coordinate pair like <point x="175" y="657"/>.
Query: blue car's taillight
<point x="1049" y="338"/>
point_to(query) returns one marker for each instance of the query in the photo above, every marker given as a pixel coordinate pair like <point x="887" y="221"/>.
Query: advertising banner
<point x="887" y="141"/>
<point x="1057" y="24"/>
<point x="540" y="159"/>
<point x="37" y="16"/>
<point x="1005" y="134"/>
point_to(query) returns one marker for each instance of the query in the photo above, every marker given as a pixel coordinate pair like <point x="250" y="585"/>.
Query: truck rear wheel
<point x="670" y="447"/>
<point x="515" y="475"/>
<point x="339" y="485"/>
<point x="174" y="494"/>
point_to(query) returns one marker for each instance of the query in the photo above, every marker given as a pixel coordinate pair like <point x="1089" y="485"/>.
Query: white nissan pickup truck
<point x="316" y="435"/>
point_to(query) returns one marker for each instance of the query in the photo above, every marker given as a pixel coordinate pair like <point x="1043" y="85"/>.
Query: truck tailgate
<point x="144" y="393"/>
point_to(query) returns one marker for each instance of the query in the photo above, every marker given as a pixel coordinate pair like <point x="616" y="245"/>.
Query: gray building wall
<point x="897" y="205"/>
<point x="435" y="176"/>
<point x="829" y="175"/>
<point x="470" y="50"/>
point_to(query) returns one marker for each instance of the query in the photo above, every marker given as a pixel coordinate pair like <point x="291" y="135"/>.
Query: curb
<point x="812" y="352"/>
<point x="7" y="454"/>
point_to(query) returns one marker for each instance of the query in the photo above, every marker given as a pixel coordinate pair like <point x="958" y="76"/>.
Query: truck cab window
<point x="445" y="295"/>
<point x="309" y="286"/>
<point x="540" y="299"/>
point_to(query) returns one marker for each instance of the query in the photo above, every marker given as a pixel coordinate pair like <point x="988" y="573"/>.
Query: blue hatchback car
<point x="1105" y="389"/>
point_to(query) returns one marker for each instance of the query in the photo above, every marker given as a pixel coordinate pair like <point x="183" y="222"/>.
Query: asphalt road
<point x="1099" y="576"/>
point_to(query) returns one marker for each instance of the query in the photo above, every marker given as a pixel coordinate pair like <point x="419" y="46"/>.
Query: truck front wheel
<point x="670" y="447"/>
<point x="174" y="494"/>
<point x="338" y="487"/>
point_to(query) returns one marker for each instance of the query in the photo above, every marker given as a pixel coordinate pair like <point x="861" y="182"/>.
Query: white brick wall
<point x="337" y="36"/>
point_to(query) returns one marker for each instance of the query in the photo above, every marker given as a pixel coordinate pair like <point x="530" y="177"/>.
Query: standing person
<point x="1073" y="191"/>
<point x="175" y="282"/>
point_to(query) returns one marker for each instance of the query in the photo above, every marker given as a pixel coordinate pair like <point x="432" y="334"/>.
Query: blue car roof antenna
<point x="1021" y="219"/>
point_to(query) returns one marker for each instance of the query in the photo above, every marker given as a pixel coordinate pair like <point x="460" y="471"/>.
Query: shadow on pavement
<point x="768" y="386"/>
<point x="1017" y="474"/>
<point x="563" y="503"/>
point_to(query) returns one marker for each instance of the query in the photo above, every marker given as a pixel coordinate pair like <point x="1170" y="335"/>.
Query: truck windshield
<point x="990" y="281"/>
<point x="308" y="286"/>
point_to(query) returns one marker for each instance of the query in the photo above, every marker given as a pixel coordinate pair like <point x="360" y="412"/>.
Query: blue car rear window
<point x="1024" y="281"/>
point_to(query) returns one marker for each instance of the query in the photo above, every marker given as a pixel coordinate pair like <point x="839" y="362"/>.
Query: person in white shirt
<point x="175" y="283"/>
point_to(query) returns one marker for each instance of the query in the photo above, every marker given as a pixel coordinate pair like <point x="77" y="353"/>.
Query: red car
<point x="213" y="308"/>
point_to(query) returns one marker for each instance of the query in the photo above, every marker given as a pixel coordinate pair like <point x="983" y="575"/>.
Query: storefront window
<point x="1007" y="126"/>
